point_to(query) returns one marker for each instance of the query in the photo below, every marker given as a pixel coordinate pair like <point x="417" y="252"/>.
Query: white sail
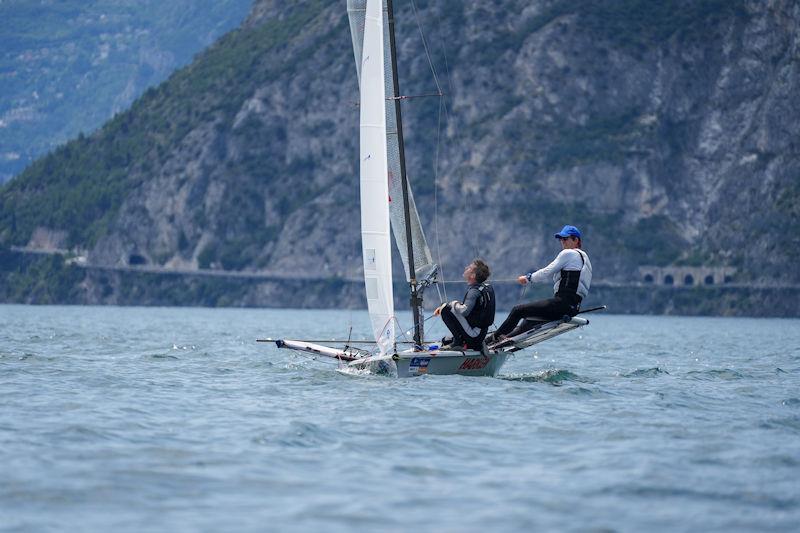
<point x="423" y="263"/>
<point x="375" y="226"/>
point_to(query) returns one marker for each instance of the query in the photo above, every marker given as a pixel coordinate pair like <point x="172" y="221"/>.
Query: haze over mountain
<point x="667" y="131"/>
<point x="67" y="66"/>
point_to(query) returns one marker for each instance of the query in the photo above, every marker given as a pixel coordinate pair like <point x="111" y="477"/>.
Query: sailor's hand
<point x="523" y="280"/>
<point x="439" y="310"/>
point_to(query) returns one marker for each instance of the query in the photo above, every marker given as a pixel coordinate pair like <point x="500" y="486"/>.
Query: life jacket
<point x="568" y="286"/>
<point x="482" y="315"/>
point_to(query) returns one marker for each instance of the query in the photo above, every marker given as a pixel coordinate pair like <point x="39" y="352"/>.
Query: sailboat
<point x="387" y="207"/>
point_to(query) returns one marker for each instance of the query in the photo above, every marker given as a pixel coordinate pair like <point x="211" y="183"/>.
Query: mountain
<point x="67" y="66"/>
<point x="667" y="132"/>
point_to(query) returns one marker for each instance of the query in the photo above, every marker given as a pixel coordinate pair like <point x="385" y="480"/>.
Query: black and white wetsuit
<point x="470" y="319"/>
<point x="571" y="272"/>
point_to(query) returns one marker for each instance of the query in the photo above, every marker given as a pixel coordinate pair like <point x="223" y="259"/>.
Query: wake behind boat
<point x="387" y="206"/>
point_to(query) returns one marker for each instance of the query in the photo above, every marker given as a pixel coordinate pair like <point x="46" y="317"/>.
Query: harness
<point x="568" y="287"/>
<point x="482" y="315"/>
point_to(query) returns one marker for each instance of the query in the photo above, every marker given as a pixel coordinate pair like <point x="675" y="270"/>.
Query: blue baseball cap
<point x="568" y="231"/>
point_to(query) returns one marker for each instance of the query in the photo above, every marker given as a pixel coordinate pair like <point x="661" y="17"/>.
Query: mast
<point x="416" y="301"/>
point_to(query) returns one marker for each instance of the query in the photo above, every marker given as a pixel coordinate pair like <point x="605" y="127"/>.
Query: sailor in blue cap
<point x="571" y="272"/>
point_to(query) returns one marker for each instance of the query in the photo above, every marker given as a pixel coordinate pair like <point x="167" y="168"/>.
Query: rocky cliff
<point x="668" y="132"/>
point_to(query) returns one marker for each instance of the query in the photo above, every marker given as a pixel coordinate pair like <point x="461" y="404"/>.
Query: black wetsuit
<point x="469" y="320"/>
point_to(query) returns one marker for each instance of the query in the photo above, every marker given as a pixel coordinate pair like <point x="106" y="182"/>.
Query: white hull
<point x="469" y="363"/>
<point x="438" y="363"/>
<point x="409" y="363"/>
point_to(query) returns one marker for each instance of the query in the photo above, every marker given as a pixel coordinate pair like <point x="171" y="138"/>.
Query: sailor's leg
<point x="453" y="325"/>
<point x="518" y="312"/>
<point x="463" y="333"/>
<point x="525" y="325"/>
<point x="550" y="309"/>
<point x="476" y="343"/>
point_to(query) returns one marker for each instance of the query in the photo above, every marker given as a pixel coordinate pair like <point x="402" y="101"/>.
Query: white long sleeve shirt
<point x="569" y="259"/>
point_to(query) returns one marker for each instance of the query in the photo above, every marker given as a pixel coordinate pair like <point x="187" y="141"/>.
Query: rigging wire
<point x="400" y="332"/>
<point x="405" y="333"/>
<point x="444" y="109"/>
<point x="425" y="45"/>
<point x="441" y="286"/>
<point x="436" y="205"/>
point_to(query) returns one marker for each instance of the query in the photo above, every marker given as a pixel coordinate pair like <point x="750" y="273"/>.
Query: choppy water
<point x="138" y="419"/>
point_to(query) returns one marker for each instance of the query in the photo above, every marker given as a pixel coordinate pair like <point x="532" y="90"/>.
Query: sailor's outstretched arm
<point x="546" y="273"/>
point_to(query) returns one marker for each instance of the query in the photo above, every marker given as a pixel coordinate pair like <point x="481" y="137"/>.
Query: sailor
<point x="571" y="272"/>
<point x="469" y="319"/>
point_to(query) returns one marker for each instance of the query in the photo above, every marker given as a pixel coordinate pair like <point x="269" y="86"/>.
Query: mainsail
<point x="423" y="263"/>
<point x="375" y="235"/>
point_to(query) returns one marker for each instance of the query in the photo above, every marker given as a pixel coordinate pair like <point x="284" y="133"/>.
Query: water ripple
<point x="737" y="498"/>
<point x="163" y="356"/>
<point x="309" y="435"/>
<point x="187" y="424"/>
<point x="791" y="423"/>
<point x="646" y="373"/>
<point x="553" y="377"/>
<point x="725" y="374"/>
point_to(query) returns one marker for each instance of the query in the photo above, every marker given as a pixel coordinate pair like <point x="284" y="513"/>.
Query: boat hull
<point x="447" y="363"/>
<point x="439" y="363"/>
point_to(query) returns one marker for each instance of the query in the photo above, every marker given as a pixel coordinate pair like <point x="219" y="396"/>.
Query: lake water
<point x="175" y="419"/>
